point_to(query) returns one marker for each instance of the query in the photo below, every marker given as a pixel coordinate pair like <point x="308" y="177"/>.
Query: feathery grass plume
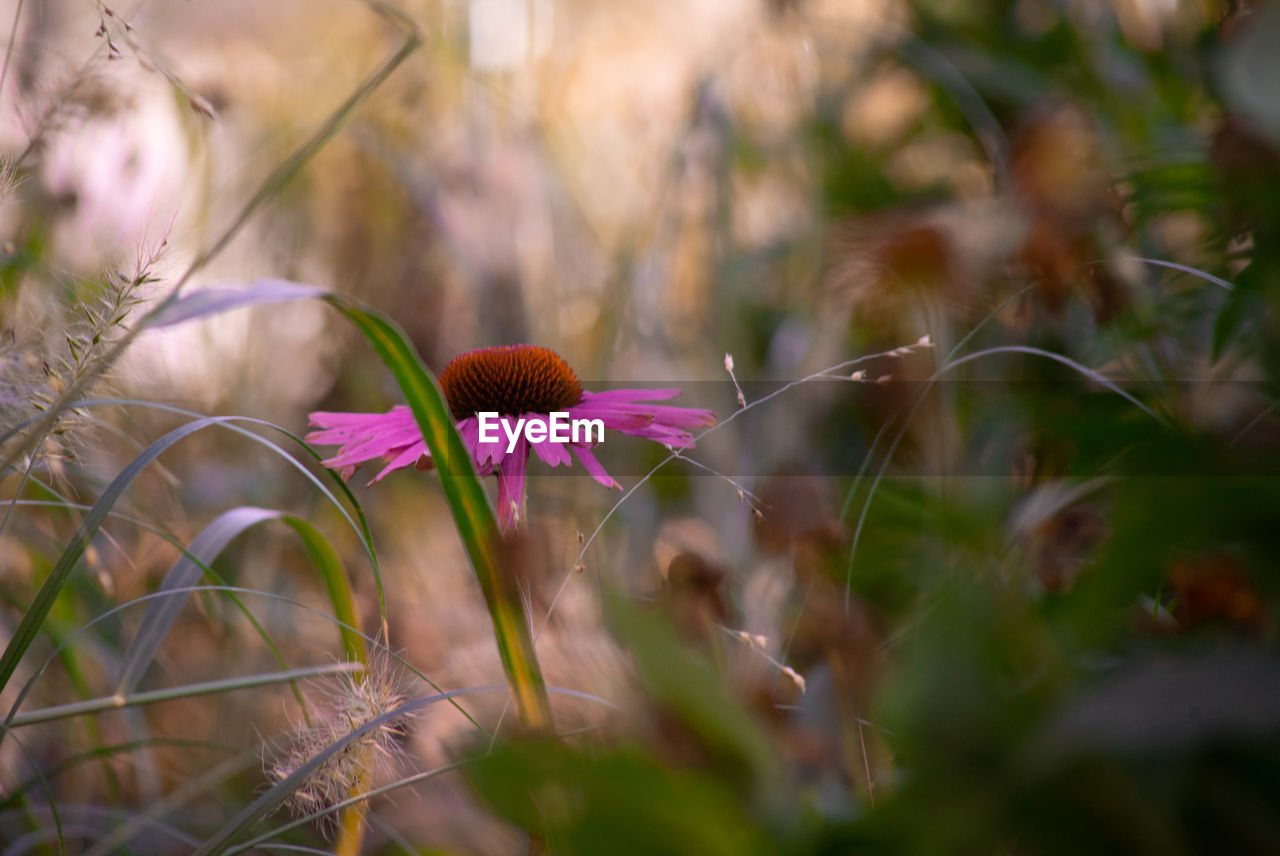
<point x="34" y="373"/>
<point x="86" y="92"/>
<point x="100" y="316"/>
<point x="358" y="699"/>
<point x="9" y="181"/>
<point x="22" y="378"/>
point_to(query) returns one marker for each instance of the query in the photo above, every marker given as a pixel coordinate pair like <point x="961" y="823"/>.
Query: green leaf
<point x="39" y="609"/>
<point x="206" y="547"/>
<point x="619" y="803"/>
<point x="218" y="299"/>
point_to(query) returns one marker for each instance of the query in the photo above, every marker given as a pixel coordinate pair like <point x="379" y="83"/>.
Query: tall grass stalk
<point x="118" y="701"/>
<point x="472" y="513"/>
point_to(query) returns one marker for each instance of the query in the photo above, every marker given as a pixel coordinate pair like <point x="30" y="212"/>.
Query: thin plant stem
<point x="8" y="52"/>
<point x="116" y="702"/>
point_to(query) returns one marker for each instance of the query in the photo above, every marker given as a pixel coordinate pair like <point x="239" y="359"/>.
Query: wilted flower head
<point x="359" y="699"/>
<point x="519" y="382"/>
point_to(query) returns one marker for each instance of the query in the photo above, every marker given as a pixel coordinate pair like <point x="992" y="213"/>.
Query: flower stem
<point x="351" y="821"/>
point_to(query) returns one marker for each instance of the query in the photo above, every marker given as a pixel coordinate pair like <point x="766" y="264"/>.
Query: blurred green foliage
<point x="1058" y="672"/>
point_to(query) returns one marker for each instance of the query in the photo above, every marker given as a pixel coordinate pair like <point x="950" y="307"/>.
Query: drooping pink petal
<point x="392" y="436"/>
<point x="678" y="417"/>
<point x="403" y="459"/>
<point x="594" y="468"/>
<point x="397" y="419"/>
<point x="552" y="453"/>
<point x="511" y="485"/>
<point x="660" y="423"/>
<point x="489" y="454"/>
<point x="614" y="420"/>
<point x="469" y="431"/>
<point x="365" y="435"/>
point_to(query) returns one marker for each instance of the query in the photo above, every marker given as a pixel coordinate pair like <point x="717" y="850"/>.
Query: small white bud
<point x="796" y="677"/>
<point x="924" y="341"/>
<point x="859" y="375"/>
<point x="761" y="642"/>
<point x="728" y="363"/>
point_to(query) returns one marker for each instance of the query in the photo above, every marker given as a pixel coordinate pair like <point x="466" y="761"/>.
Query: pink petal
<point x="613" y="419"/>
<point x="491" y="454"/>
<point x="511" y="485"/>
<point x="392" y="436"/>
<point x="406" y="458"/>
<point x="629" y="395"/>
<point x="553" y="454"/>
<point x="680" y="417"/>
<point x="469" y="431"/>
<point x="594" y="468"/>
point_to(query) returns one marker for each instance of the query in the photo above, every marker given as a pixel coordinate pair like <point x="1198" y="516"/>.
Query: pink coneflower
<point x="519" y="382"/>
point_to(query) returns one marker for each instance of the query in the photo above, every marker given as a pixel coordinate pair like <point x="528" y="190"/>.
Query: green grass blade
<point x="35" y="615"/>
<point x="359" y="525"/>
<point x="39" y="778"/>
<point x="365" y="797"/>
<point x="217" y="299"/>
<point x="63" y="502"/>
<point x="235" y="593"/>
<point x="206" y="547"/>
<point x="50" y="800"/>
<point x="187" y="571"/>
<point x="222" y="685"/>
<point x="472" y="513"/>
<point x="325" y="560"/>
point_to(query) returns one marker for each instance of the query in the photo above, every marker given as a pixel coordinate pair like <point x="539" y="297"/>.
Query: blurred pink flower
<point x="516" y="381"/>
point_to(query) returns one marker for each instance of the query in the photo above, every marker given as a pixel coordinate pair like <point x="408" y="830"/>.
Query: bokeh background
<point x="995" y="606"/>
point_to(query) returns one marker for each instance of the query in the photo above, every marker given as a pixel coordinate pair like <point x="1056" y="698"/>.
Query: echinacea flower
<point x="518" y="382"/>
